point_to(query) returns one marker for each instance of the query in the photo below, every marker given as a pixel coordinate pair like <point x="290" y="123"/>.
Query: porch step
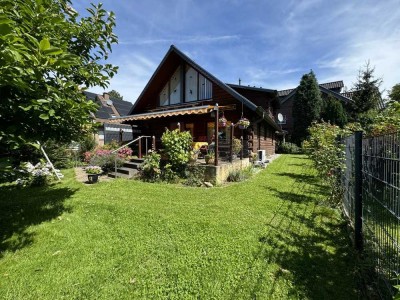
<point x="128" y="170"/>
<point x="119" y="175"/>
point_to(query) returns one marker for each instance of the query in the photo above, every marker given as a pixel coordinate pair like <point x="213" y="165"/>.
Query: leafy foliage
<point x="327" y="153"/>
<point x="289" y="148"/>
<point x="306" y="106"/>
<point x="177" y="145"/>
<point x="333" y="112"/>
<point x="387" y="121"/>
<point x="47" y="54"/>
<point x="194" y="175"/>
<point x="150" y="170"/>
<point x="240" y="175"/>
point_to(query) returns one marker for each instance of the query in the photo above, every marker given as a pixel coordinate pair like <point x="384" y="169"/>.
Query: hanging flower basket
<point x="243" y="123"/>
<point x="222" y="121"/>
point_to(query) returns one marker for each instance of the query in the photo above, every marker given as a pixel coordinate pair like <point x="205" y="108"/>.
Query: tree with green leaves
<point x="394" y="94"/>
<point x="306" y="106"/>
<point x="48" y="56"/>
<point x="333" y="112"/>
<point x="115" y="94"/>
<point x="366" y="96"/>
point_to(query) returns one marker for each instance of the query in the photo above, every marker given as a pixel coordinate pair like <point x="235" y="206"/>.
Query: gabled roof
<point x="323" y="88"/>
<point x="175" y="51"/>
<point x="327" y="85"/>
<point x="260" y="89"/>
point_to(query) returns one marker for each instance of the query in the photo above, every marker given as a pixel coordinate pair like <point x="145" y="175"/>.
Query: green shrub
<point x="327" y="154"/>
<point x="240" y="175"/>
<point x="288" y="148"/>
<point x="177" y="146"/>
<point x="168" y="175"/>
<point x="194" y="175"/>
<point x="150" y="170"/>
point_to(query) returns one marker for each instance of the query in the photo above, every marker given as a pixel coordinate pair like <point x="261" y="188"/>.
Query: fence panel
<point x="381" y="207"/>
<point x="348" y="179"/>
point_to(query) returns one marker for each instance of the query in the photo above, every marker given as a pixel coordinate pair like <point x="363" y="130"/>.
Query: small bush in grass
<point x="168" y="175"/>
<point x="150" y="170"/>
<point x="177" y="146"/>
<point x="240" y="175"/>
<point x="194" y="175"/>
<point x="289" y="148"/>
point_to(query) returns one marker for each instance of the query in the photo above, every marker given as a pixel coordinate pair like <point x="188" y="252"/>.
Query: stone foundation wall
<point x="218" y="175"/>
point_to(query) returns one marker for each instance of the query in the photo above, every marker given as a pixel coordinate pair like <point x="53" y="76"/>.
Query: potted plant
<point x="93" y="173"/>
<point x="236" y="147"/>
<point x="209" y="158"/>
<point x="243" y="123"/>
<point x="222" y="121"/>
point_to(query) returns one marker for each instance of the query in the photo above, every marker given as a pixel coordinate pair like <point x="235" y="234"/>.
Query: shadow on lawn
<point x="309" y="244"/>
<point x="21" y="208"/>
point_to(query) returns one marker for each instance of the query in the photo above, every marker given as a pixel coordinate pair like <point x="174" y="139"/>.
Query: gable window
<point x="191" y="77"/>
<point x="196" y="87"/>
<point x="175" y="87"/>
<point x="205" y="88"/>
<point x="164" y="95"/>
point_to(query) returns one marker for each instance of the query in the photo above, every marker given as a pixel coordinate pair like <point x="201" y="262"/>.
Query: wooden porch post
<point x="153" y="143"/>
<point x="140" y="148"/>
<point x="231" y="144"/>
<point x="216" y="134"/>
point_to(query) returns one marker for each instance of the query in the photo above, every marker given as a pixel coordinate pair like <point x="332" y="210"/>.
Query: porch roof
<point x="167" y="113"/>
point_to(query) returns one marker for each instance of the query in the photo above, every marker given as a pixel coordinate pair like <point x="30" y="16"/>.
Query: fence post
<point x="358" y="191"/>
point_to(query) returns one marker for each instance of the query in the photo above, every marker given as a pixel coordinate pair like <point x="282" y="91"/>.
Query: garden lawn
<point x="266" y="238"/>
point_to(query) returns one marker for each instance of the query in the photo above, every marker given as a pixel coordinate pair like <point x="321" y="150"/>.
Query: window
<point x="190" y="84"/>
<point x="205" y="88"/>
<point x="164" y="99"/>
<point x="175" y="87"/>
<point x="197" y="87"/>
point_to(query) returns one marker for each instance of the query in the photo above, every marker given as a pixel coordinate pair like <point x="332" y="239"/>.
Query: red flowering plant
<point x="125" y="152"/>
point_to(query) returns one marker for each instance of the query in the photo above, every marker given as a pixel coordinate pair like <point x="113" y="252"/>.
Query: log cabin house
<point x="181" y="94"/>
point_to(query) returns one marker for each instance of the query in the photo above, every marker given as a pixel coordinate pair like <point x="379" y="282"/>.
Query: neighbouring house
<point x="181" y="94"/>
<point x="286" y="97"/>
<point x="110" y="108"/>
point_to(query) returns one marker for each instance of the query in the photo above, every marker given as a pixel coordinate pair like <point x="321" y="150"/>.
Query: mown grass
<point x="266" y="238"/>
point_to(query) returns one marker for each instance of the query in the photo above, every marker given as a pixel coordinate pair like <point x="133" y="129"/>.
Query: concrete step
<point x="119" y="175"/>
<point x="132" y="165"/>
<point x="125" y="170"/>
<point x="137" y="160"/>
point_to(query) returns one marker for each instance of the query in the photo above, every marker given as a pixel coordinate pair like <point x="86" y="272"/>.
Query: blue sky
<point x="265" y="43"/>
